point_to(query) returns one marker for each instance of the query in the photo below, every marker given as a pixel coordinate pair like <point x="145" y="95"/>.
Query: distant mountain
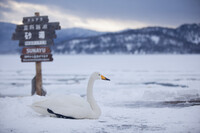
<point x="150" y="40"/>
<point x="9" y="46"/>
<point x="71" y="33"/>
<point x="6" y="44"/>
<point x="182" y="40"/>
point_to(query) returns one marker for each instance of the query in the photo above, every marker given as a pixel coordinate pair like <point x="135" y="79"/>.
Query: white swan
<point x="72" y="107"/>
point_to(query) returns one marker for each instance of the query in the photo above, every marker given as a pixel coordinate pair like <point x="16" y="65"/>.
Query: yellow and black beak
<point x="104" y="78"/>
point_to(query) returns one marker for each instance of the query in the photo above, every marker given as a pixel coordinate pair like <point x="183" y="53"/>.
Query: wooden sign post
<point x="38" y="78"/>
<point x="38" y="73"/>
<point x="36" y="35"/>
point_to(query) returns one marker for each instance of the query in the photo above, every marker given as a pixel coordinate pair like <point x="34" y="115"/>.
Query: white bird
<point x="72" y="107"/>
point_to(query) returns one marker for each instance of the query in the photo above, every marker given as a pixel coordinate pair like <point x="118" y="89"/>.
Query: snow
<point x="129" y="38"/>
<point x="129" y="46"/>
<point x="60" y="47"/>
<point x="155" y="39"/>
<point x="196" y="39"/>
<point x="105" y="39"/>
<point x="142" y="95"/>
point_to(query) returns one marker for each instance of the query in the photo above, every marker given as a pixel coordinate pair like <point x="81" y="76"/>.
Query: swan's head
<point x="97" y="75"/>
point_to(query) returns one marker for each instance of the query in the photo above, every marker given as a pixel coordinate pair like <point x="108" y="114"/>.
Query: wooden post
<point x="38" y="73"/>
<point x="37" y="14"/>
<point x="38" y="78"/>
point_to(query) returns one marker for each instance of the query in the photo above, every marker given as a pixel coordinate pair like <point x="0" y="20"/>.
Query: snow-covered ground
<point x="147" y="93"/>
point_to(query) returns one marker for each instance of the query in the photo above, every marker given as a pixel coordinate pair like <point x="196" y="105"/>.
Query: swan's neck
<point x="91" y="100"/>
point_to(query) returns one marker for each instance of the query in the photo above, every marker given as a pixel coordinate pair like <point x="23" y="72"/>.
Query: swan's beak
<point x="104" y="78"/>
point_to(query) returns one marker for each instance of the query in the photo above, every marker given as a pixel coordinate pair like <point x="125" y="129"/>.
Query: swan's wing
<point x="71" y="106"/>
<point x="74" y="112"/>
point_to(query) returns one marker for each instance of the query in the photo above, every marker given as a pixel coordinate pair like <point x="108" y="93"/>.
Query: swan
<point x="70" y="106"/>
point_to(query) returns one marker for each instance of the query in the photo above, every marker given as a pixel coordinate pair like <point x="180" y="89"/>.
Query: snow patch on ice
<point x="141" y="90"/>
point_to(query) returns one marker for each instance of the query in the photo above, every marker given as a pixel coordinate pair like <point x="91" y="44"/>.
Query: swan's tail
<point x="40" y="109"/>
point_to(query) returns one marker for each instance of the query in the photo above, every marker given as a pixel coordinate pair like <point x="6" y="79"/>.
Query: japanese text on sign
<point x="35" y="27"/>
<point x="28" y="35"/>
<point x="35" y="19"/>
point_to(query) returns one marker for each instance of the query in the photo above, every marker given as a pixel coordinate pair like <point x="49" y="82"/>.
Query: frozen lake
<point x="147" y="93"/>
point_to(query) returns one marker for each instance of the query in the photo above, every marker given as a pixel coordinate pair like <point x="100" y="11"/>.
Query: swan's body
<point x="73" y="107"/>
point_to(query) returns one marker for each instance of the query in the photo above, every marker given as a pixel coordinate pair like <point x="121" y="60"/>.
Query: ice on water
<point x="147" y="93"/>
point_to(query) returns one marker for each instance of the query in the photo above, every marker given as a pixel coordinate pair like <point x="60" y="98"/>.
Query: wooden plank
<point x="37" y="58"/>
<point x="35" y="19"/>
<point x="36" y="43"/>
<point x="34" y="35"/>
<point x="54" y="25"/>
<point x="36" y="50"/>
<point x="36" y="27"/>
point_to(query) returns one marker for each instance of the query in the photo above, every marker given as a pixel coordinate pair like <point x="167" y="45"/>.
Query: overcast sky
<point x="105" y="15"/>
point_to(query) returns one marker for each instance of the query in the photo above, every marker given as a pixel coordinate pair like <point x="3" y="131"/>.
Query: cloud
<point x="12" y="11"/>
<point x="110" y="24"/>
<point x="104" y="15"/>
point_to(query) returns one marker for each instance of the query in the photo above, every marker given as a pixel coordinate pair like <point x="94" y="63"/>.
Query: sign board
<point x="36" y="27"/>
<point x="36" y="43"/>
<point x="35" y="19"/>
<point x="36" y="34"/>
<point x="36" y="50"/>
<point x="36" y="58"/>
<point x="36" y="31"/>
